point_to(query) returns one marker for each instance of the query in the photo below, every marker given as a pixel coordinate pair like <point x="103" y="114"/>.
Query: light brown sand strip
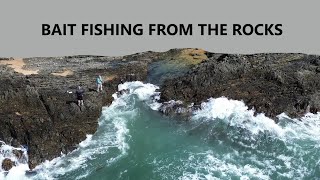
<point x="109" y="78"/>
<point x="65" y="73"/>
<point x="17" y="64"/>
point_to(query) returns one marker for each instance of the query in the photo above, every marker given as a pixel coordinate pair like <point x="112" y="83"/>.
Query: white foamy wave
<point x="236" y="113"/>
<point x="17" y="172"/>
<point x="206" y="166"/>
<point x="20" y="163"/>
<point x="143" y="91"/>
<point x="86" y="142"/>
<point x="110" y="143"/>
<point x="308" y="127"/>
<point x="294" y="137"/>
<point x="112" y="135"/>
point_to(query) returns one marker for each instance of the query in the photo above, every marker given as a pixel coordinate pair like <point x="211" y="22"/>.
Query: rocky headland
<point x="38" y="111"/>
<point x="269" y="83"/>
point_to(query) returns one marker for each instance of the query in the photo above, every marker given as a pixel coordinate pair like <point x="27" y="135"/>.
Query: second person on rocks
<point x="99" y="82"/>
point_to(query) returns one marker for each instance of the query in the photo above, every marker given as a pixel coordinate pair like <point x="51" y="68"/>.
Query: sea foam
<point x="113" y="134"/>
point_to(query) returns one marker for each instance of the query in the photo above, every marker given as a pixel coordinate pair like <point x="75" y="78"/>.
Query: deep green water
<point x="222" y="141"/>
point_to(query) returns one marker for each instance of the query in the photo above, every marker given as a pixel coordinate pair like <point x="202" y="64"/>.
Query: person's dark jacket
<point x="80" y="93"/>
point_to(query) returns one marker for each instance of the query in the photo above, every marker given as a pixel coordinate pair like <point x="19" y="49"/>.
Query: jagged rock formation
<point x="270" y="83"/>
<point x="37" y="111"/>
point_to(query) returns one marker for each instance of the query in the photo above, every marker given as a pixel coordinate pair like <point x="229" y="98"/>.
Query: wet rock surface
<point x="40" y="111"/>
<point x="269" y="83"/>
<point x="7" y="164"/>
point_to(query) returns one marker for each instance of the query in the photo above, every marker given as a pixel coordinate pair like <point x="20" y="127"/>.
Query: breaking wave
<point x="18" y="156"/>
<point x="254" y="146"/>
<point x="222" y="140"/>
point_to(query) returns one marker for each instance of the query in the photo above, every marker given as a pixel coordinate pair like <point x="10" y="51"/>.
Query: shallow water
<point x="224" y="140"/>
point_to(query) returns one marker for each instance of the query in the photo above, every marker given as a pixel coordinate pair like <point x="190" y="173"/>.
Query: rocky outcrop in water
<point x="7" y="164"/>
<point x="269" y="83"/>
<point x="38" y="110"/>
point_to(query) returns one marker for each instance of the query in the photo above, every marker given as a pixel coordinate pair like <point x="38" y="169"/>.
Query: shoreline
<point x="44" y="117"/>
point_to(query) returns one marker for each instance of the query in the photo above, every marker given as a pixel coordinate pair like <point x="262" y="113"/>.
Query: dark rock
<point x="172" y="108"/>
<point x="7" y="164"/>
<point x="18" y="153"/>
<point x="40" y="111"/>
<point x="271" y="83"/>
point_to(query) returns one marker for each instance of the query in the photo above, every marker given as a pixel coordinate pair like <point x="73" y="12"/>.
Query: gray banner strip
<point x="20" y="31"/>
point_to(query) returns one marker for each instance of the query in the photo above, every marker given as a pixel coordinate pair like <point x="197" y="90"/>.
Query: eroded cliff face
<point x="37" y="111"/>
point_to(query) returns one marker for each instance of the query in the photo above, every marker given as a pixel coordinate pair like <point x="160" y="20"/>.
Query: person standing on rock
<point x="79" y="93"/>
<point x="99" y="83"/>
